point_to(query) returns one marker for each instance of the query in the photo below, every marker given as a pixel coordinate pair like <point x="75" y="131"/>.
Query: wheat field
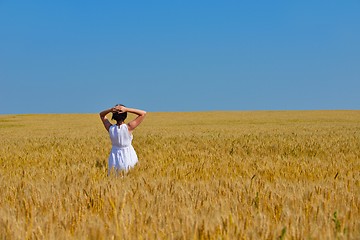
<point x="201" y="175"/>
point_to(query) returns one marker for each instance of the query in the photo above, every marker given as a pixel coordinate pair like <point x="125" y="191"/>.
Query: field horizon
<point x="195" y="111"/>
<point x="278" y="174"/>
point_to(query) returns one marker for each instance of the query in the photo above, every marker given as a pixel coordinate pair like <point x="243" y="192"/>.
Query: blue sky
<point x="84" y="56"/>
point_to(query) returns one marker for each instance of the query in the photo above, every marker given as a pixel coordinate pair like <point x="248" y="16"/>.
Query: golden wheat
<point x="201" y="175"/>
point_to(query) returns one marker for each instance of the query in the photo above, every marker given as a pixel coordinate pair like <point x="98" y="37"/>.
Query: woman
<point x="123" y="155"/>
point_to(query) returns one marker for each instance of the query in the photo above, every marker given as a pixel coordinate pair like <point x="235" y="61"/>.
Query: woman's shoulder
<point x="124" y="126"/>
<point x="112" y="127"/>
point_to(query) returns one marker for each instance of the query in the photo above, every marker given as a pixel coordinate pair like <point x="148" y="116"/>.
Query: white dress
<point x="122" y="155"/>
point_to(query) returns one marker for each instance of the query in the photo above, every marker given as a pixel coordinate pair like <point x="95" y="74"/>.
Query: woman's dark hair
<point x="119" y="117"/>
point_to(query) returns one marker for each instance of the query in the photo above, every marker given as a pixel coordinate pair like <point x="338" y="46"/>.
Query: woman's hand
<point x="119" y="109"/>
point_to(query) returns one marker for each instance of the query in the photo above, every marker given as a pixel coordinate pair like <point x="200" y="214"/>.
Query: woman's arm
<point x="104" y="119"/>
<point x="134" y="123"/>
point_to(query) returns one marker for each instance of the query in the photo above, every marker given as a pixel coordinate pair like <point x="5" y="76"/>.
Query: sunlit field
<point x="201" y="175"/>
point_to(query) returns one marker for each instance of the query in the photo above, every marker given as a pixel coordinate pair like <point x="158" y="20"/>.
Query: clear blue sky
<point x="179" y="55"/>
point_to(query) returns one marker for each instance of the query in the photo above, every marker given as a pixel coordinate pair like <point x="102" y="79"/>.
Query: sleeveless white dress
<point x="122" y="155"/>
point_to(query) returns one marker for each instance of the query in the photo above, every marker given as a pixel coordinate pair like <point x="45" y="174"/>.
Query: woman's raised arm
<point x="134" y="123"/>
<point x="105" y="121"/>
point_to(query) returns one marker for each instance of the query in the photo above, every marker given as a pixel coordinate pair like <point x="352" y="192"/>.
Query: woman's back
<point x="122" y="155"/>
<point x="120" y="136"/>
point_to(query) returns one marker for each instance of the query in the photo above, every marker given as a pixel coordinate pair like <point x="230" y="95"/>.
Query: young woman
<point x="122" y="155"/>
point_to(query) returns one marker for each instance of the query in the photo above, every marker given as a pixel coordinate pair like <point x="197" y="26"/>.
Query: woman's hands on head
<point x="119" y="109"/>
<point x="122" y="109"/>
